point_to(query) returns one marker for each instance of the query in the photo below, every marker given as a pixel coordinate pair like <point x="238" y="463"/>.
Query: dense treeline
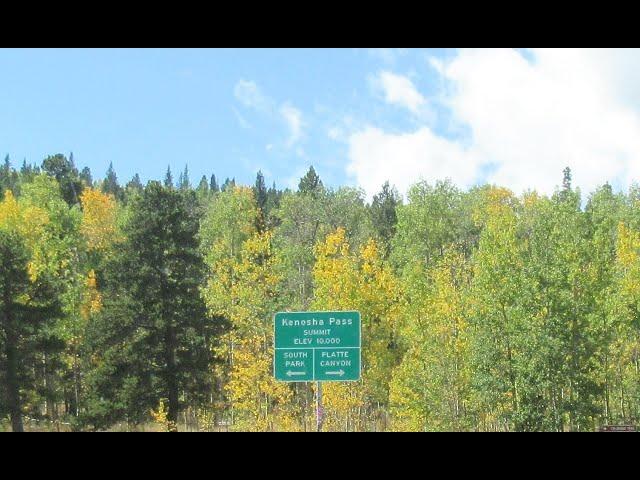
<point x="123" y="305"/>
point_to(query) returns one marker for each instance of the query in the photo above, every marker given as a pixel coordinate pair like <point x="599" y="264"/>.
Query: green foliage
<point x="86" y="177"/>
<point x="184" y="183"/>
<point x="110" y="184"/>
<point x="304" y="220"/>
<point x="482" y="310"/>
<point x="384" y="214"/>
<point x="310" y="184"/>
<point x="150" y="341"/>
<point x="134" y="187"/>
<point x="66" y="174"/>
<point x="9" y="178"/>
<point x="433" y="218"/>
<point x="28" y="305"/>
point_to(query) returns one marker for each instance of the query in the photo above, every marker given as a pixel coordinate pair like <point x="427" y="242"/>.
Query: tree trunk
<point x="11" y="353"/>
<point x="13" y="390"/>
<point x="172" y="378"/>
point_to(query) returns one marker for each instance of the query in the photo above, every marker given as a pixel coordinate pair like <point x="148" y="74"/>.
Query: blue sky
<point x="360" y="116"/>
<point x="146" y="109"/>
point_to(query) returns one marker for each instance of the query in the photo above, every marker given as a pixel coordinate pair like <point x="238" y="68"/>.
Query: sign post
<point x="319" y="409"/>
<point x="317" y="346"/>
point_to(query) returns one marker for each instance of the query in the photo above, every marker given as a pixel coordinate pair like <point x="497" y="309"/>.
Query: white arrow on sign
<point x="339" y="373"/>
<point x="295" y="374"/>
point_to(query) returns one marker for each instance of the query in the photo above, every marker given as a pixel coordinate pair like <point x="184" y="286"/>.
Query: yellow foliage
<point x="30" y="223"/>
<point x="628" y="261"/>
<point x="161" y="416"/>
<point x="92" y="301"/>
<point x="9" y="211"/>
<point x="258" y="399"/>
<point x="496" y="202"/>
<point x="347" y="280"/>
<point x="98" y="219"/>
<point x="243" y="290"/>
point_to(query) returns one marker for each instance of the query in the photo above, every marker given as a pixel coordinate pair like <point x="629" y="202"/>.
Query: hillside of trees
<point x="125" y="305"/>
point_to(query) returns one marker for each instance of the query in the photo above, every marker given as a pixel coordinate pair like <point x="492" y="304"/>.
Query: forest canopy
<point x="125" y="305"/>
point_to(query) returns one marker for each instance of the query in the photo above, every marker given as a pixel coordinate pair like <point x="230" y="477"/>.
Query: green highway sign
<point x="317" y="346"/>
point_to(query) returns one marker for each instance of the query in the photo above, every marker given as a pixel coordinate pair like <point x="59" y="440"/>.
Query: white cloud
<point x="335" y="133"/>
<point x="399" y="90"/>
<point x="387" y="55"/>
<point x="528" y="119"/>
<point x="241" y="120"/>
<point x="249" y="94"/>
<point x="293" y="118"/>
<point x="403" y="159"/>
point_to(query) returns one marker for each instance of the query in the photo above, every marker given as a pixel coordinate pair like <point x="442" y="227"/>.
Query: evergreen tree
<point x="26" y="168"/>
<point x="9" y="177"/>
<point x="228" y="183"/>
<point x="25" y="308"/>
<point x="383" y="214"/>
<point x="133" y="187"/>
<point x="184" y="183"/>
<point x="260" y="195"/>
<point x="135" y="182"/>
<point x="203" y="188"/>
<point x="272" y="204"/>
<point x="566" y="179"/>
<point x="310" y="183"/>
<point x="85" y="176"/>
<point x="213" y="186"/>
<point x="168" y="178"/>
<point x="28" y="172"/>
<point x="260" y="191"/>
<point x="67" y="176"/>
<point x="110" y="184"/>
<point x="152" y="334"/>
<point x="5" y="172"/>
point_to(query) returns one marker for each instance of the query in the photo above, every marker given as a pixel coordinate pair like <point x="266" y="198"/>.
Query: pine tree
<point x="260" y="191"/>
<point x="67" y="176"/>
<point x="110" y="184"/>
<point x="168" y="178"/>
<point x="5" y="172"/>
<point x="27" y="306"/>
<point x="566" y="179"/>
<point x="28" y="171"/>
<point x="383" y="214"/>
<point x="134" y="185"/>
<point x="184" y="183"/>
<point x="203" y="188"/>
<point x="213" y="186"/>
<point x="26" y="168"/>
<point x="86" y="177"/>
<point x="310" y="183"/>
<point x="228" y="184"/>
<point x="153" y="329"/>
<point x="9" y="178"/>
<point x="272" y="205"/>
<point x="260" y="194"/>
